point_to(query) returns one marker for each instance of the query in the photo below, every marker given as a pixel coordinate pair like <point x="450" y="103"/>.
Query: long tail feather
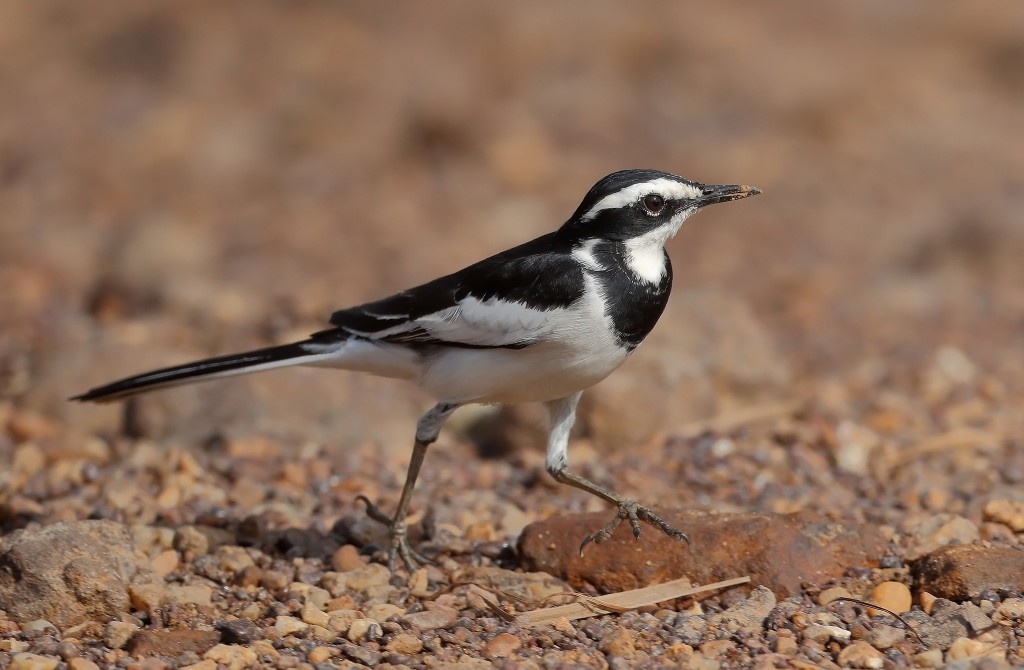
<point x="210" y="368"/>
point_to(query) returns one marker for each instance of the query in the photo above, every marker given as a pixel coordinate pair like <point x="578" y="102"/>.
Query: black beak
<point x="714" y="194"/>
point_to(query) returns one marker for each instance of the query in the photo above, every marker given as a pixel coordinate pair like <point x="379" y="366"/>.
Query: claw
<point x="399" y="543"/>
<point x="629" y="509"/>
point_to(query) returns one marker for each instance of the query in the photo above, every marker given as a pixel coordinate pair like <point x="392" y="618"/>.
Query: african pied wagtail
<point x="540" y="322"/>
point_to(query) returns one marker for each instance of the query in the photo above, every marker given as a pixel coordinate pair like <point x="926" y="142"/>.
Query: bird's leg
<point x="427" y="429"/>
<point x="563" y="414"/>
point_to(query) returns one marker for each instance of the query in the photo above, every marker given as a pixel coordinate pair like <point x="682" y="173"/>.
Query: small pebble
<point x="1008" y="512"/>
<point x="384" y="611"/>
<point x="361" y="628"/>
<point x="405" y="643"/>
<point x="964" y="648"/>
<point x="364" y="578"/>
<point x="232" y="656"/>
<point x="828" y="595"/>
<point x="37" y="625"/>
<point x="927" y="602"/>
<point x="347" y="558"/>
<point x="164" y="563"/>
<point x="189" y="539"/>
<point x="234" y="559"/>
<point x="68" y="650"/>
<point x="117" y="634"/>
<point x="419" y="585"/>
<point x="289" y="625"/>
<point x="502" y="645"/>
<point x="931" y="658"/>
<point x="13" y="646"/>
<point x="894" y="596"/>
<point x="563" y="625"/>
<point x="319" y="655"/>
<point x="26" y="661"/>
<point x="861" y="654"/>
<point x="785" y="645"/>
<point x="884" y="637"/>
<point x="620" y="643"/>
<point x="438" y="617"/>
<point x="821" y="633"/>
<point x="239" y="631"/>
<point x="339" y="621"/>
<point x="314" y="616"/>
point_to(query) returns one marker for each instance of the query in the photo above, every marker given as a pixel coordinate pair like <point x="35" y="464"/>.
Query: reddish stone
<point x="775" y="550"/>
<point x="172" y="643"/>
<point x="963" y="571"/>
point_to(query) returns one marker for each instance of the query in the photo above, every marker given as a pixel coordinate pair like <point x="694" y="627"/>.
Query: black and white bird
<point x="540" y="322"/>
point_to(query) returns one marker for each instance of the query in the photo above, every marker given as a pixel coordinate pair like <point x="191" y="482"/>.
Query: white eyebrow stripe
<point x="670" y="189"/>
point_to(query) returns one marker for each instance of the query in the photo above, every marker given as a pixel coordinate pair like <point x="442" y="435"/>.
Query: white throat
<point x="645" y="255"/>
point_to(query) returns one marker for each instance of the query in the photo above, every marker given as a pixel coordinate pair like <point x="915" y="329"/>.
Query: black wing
<point x="503" y="301"/>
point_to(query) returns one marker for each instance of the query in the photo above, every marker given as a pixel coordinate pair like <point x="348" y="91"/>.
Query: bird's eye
<point x="654" y="203"/>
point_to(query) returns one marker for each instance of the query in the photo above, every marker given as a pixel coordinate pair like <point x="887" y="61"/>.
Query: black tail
<point x="208" y="368"/>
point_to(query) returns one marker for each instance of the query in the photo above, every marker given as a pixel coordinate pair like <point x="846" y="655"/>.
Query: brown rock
<point x="199" y="539"/>
<point x="938" y="531"/>
<point x="164" y="563"/>
<point x="620" y="643"/>
<point x="894" y="596"/>
<point x="70" y="572"/>
<point x="964" y="648"/>
<point x="777" y="551"/>
<point x="27" y="661"/>
<point x="231" y="656"/>
<point x="961" y="572"/>
<point x="146" y="597"/>
<point x="117" y="634"/>
<point x="860" y="654"/>
<point x="172" y="643"/>
<point x="347" y="558"/>
<point x="502" y="645"/>
<point x="28" y="425"/>
<point x="882" y="636"/>
<point x="1008" y="512"/>
<point x="834" y="593"/>
<point x="439" y="616"/>
<point x="405" y="643"/>
<point x="927" y="602"/>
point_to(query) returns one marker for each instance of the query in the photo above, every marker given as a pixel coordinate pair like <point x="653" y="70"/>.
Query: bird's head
<point x="635" y="203"/>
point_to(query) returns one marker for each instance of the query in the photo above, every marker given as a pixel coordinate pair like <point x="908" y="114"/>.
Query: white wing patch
<point x="488" y="323"/>
<point x="670" y="189"/>
<point x="484" y="323"/>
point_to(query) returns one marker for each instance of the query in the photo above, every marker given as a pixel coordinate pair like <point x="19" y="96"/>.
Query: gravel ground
<point x="838" y="382"/>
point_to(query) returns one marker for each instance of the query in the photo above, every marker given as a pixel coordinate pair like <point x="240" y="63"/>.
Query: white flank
<point x="669" y="189"/>
<point x="576" y="348"/>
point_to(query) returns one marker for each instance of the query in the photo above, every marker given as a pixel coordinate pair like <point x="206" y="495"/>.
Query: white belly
<point x="577" y="350"/>
<point x="538" y="373"/>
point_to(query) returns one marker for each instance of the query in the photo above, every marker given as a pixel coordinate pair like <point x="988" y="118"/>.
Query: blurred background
<point x="186" y="179"/>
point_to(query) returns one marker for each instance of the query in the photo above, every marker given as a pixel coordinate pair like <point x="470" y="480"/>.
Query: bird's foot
<point x="633" y="512"/>
<point x="399" y="546"/>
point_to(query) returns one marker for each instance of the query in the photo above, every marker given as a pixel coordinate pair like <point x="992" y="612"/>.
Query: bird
<point x="541" y="322"/>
